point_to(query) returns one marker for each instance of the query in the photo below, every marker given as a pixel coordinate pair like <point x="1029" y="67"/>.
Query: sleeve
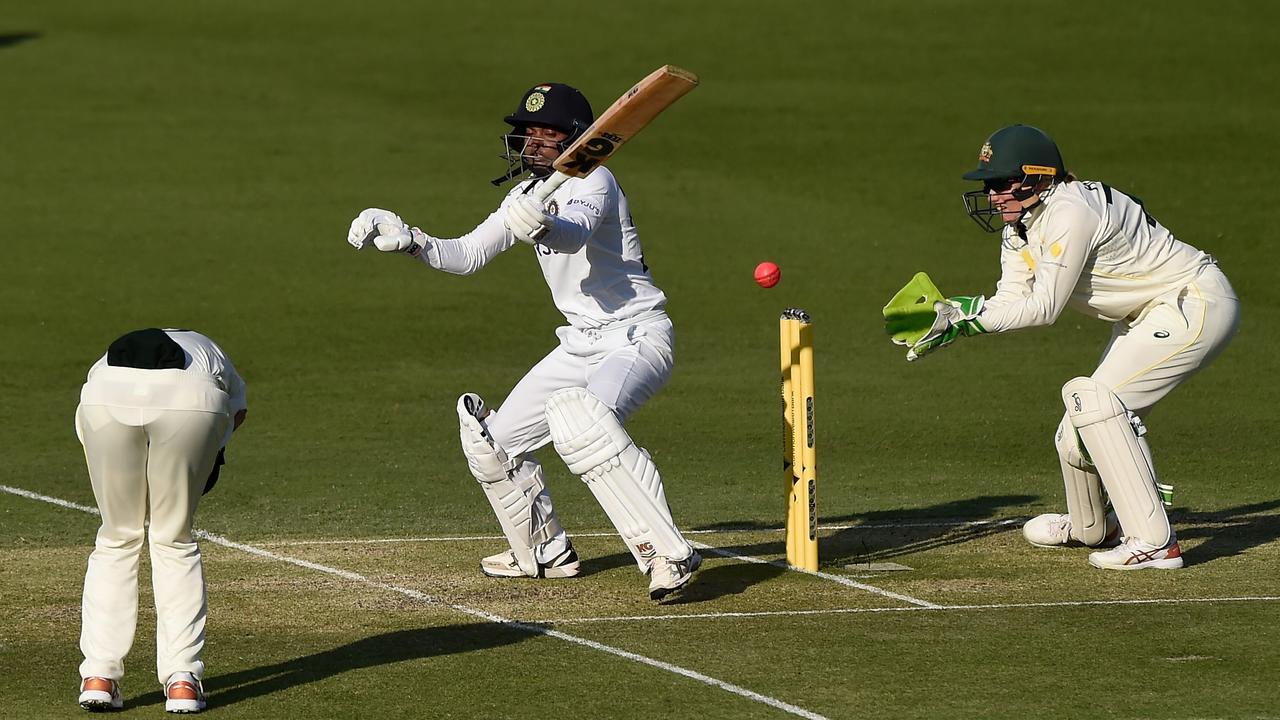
<point x="1068" y="234"/>
<point x="582" y="212"/>
<point x="467" y="254"/>
<point x="236" y="389"/>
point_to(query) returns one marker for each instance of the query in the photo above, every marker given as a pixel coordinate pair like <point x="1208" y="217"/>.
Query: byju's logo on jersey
<point x="984" y="155"/>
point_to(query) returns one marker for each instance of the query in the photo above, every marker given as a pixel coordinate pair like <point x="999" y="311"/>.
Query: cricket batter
<point x="614" y="354"/>
<point x="154" y="417"/>
<point x="1086" y="245"/>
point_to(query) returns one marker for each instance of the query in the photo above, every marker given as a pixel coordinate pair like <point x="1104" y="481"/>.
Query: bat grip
<point x="549" y="186"/>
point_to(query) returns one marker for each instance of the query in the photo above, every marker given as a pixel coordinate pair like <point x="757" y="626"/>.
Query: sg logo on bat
<point x="593" y="152"/>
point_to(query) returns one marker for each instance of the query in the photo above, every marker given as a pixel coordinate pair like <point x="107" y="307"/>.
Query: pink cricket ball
<point x="768" y="274"/>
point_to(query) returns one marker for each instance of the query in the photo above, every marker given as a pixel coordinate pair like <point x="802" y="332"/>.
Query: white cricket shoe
<point x="666" y="575"/>
<point x="1054" y="530"/>
<point x="183" y="693"/>
<point x="99" y="693"/>
<point x="1134" y="554"/>
<point x="505" y="565"/>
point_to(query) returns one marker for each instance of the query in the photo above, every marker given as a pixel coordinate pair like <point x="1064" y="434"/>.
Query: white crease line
<point x="473" y="612"/>
<point x="851" y="611"/>
<point x="818" y="573"/>
<point x="711" y="531"/>
<point x="718" y="551"/>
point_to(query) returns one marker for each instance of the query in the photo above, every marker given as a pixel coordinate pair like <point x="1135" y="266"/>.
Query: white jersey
<point x="1090" y="247"/>
<point x="592" y="260"/>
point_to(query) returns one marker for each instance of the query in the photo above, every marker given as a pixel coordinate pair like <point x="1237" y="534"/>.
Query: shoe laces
<point x="1061" y="525"/>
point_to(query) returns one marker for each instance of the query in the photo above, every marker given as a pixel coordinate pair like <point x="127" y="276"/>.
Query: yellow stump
<point x="799" y="459"/>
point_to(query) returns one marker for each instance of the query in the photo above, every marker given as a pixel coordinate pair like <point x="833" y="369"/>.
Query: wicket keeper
<point x="1086" y="245"/>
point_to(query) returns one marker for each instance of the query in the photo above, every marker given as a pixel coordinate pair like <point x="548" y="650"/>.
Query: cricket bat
<point x="909" y="315"/>
<point x="627" y="116"/>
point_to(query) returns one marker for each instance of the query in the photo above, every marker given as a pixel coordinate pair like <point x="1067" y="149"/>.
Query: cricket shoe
<point x="504" y="564"/>
<point x="666" y="575"/>
<point x="1134" y="554"/>
<point x="1054" y="530"/>
<point x="98" y="694"/>
<point x="183" y="694"/>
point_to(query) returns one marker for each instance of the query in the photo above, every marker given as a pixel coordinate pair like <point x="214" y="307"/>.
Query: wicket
<point x="799" y="460"/>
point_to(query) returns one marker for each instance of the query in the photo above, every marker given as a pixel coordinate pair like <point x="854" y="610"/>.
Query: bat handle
<point x="549" y="186"/>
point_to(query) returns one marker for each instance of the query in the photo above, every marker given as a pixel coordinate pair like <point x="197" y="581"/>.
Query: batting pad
<point x="909" y="315"/>
<point x="515" y="489"/>
<point x="623" y="478"/>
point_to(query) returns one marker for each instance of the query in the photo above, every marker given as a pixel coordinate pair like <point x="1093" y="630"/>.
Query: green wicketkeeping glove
<point x="954" y="317"/>
<point x="909" y="316"/>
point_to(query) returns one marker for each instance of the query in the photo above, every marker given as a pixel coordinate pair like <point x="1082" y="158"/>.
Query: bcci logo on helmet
<point x="535" y="102"/>
<point x="984" y="155"/>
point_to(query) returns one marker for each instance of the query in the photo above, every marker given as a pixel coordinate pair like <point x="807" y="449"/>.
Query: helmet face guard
<point x="989" y="216"/>
<point x="554" y="105"/>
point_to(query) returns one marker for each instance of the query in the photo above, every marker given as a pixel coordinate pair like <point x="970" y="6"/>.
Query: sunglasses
<point x="1000" y="185"/>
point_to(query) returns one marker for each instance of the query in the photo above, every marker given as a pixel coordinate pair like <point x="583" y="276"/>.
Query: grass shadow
<point x="1228" y="533"/>
<point x="384" y="649"/>
<point x="11" y="39"/>
<point x="880" y="535"/>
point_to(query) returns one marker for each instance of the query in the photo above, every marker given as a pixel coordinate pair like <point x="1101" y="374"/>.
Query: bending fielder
<point x="614" y="354"/>
<point x="1083" y="244"/>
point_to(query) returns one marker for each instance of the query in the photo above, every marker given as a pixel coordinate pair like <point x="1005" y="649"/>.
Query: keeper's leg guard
<point x="1086" y="503"/>
<point x="1108" y="434"/>
<point x="623" y="478"/>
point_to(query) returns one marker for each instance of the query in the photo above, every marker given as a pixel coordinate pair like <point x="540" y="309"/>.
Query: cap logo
<point x="535" y="101"/>
<point x="984" y="155"/>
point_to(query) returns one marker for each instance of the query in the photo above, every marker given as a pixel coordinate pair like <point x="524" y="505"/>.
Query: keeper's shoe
<point x="98" y="694"/>
<point x="666" y="575"/>
<point x="505" y="565"/>
<point x="1053" y="530"/>
<point x="1134" y="554"/>
<point x="183" y="694"/>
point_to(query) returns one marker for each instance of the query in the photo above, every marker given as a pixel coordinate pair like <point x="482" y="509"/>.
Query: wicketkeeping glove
<point x="956" y="317"/>
<point x="527" y="220"/>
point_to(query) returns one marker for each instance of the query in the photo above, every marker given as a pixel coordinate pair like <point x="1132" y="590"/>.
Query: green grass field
<point x="197" y="165"/>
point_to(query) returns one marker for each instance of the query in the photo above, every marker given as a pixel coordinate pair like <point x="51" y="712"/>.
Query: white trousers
<point x="623" y="366"/>
<point x="1170" y="342"/>
<point x="1145" y="360"/>
<point x="136" y="454"/>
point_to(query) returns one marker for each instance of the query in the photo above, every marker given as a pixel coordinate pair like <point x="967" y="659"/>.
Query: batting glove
<point x="383" y="228"/>
<point x="957" y="317"/>
<point x="527" y="220"/>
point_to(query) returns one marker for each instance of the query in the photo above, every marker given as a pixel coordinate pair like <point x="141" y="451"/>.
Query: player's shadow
<point x="879" y="536"/>
<point x="870" y="537"/>
<point x="384" y="649"/>
<point x="1227" y="532"/>
<point x="11" y="39"/>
